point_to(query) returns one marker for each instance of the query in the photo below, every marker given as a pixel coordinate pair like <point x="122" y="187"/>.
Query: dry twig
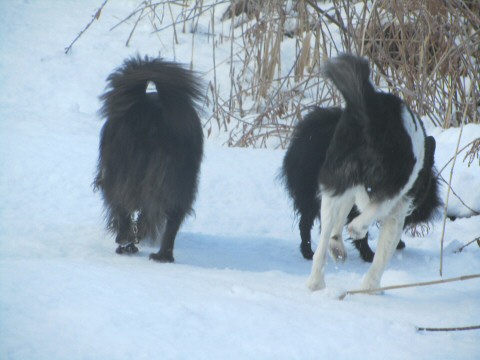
<point x="450" y="181"/>
<point x="96" y="16"/>
<point x="460" y="249"/>
<point x="394" y="287"/>
<point x="464" y="328"/>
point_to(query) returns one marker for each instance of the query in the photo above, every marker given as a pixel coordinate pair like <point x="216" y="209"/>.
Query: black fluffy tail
<point x="128" y="84"/>
<point x="350" y="75"/>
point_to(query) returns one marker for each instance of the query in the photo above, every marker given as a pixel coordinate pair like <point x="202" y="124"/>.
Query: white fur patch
<point x="415" y="130"/>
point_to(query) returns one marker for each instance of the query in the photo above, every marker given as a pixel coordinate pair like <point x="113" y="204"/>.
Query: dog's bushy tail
<point x="128" y="84"/>
<point x="350" y="75"/>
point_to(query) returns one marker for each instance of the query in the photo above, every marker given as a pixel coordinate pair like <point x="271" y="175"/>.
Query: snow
<point x="238" y="287"/>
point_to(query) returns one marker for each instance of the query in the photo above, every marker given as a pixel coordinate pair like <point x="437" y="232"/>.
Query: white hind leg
<point x="392" y="227"/>
<point x="359" y="226"/>
<point x="333" y="213"/>
<point x="336" y="246"/>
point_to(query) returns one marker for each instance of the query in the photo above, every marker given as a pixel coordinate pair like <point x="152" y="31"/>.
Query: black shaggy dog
<point x="301" y="168"/>
<point x="374" y="161"/>
<point x="150" y="152"/>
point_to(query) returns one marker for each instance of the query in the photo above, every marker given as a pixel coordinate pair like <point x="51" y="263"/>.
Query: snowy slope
<point x="238" y="287"/>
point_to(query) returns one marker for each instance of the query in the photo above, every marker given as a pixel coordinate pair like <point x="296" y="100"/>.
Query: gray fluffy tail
<point x="127" y="85"/>
<point x="350" y="75"/>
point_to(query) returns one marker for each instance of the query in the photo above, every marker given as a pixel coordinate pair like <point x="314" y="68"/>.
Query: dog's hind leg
<point x="317" y="277"/>
<point x="370" y="211"/>
<point x="358" y="228"/>
<point x="333" y="213"/>
<point x="122" y="226"/>
<point x="125" y="235"/>
<point x="305" y="226"/>
<point x="362" y="246"/>
<point x="165" y="254"/>
<point x="392" y="227"/>
<point x="336" y="246"/>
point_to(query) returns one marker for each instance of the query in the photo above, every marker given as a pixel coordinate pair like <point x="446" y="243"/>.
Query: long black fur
<point x="150" y="152"/>
<point x="305" y="157"/>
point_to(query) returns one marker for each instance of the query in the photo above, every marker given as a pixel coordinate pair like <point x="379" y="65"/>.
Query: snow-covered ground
<point x="238" y="287"/>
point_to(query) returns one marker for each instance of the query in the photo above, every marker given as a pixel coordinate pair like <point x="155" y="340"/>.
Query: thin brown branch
<point x="328" y="16"/>
<point x="459" y="151"/>
<point x="96" y="16"/>
<point x="475" y="212"/>
<point x="460" y="249"/>
<point x="463" y="328"/>
<point x="140" y="17"/>
<point x="395" y="287"/>
<point x="473" y="152"/>
<point x="450" y="181"/>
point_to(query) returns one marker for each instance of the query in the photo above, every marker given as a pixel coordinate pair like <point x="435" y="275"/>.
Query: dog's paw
<point x="306" y="251"/>
<point x="126" y="249"/>
<point x="337" y="250"/>
<point x="371" y="283"/>
<point x="162" y="257"/>
<point x="357" y="230"/>
<point x="124" y="240"/>
<point x="316" y="283"/>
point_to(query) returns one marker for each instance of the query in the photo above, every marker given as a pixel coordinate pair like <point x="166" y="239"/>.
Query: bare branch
<point x="96" y="16"/>
<point x="464" y="328"/>
<point x="395" y="287"/>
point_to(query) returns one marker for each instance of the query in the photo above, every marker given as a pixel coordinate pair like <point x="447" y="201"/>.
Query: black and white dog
<point x="150" y="152"/>
<point x="301" y="167"/>
<point x="374" y="161"/>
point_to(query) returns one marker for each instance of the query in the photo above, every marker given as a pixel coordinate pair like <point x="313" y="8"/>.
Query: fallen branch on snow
<point x="393" y="287"/>
<point x="475" y="327"/>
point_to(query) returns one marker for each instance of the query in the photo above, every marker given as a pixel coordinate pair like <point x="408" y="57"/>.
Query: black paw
<point x="161" y="257"/>
<point x="127" y="249"/>
<point x="306" y="251"/>
<point x="124" y="240"/>
<point x="367" y="255"/>
<point x="401" y="245"/>
<point x="365" y="252"/>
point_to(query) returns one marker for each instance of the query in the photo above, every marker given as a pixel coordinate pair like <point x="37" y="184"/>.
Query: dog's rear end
<point x="150" y="152"/>
<point x="373" y="161"/>
<point x="301" y="168"/>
